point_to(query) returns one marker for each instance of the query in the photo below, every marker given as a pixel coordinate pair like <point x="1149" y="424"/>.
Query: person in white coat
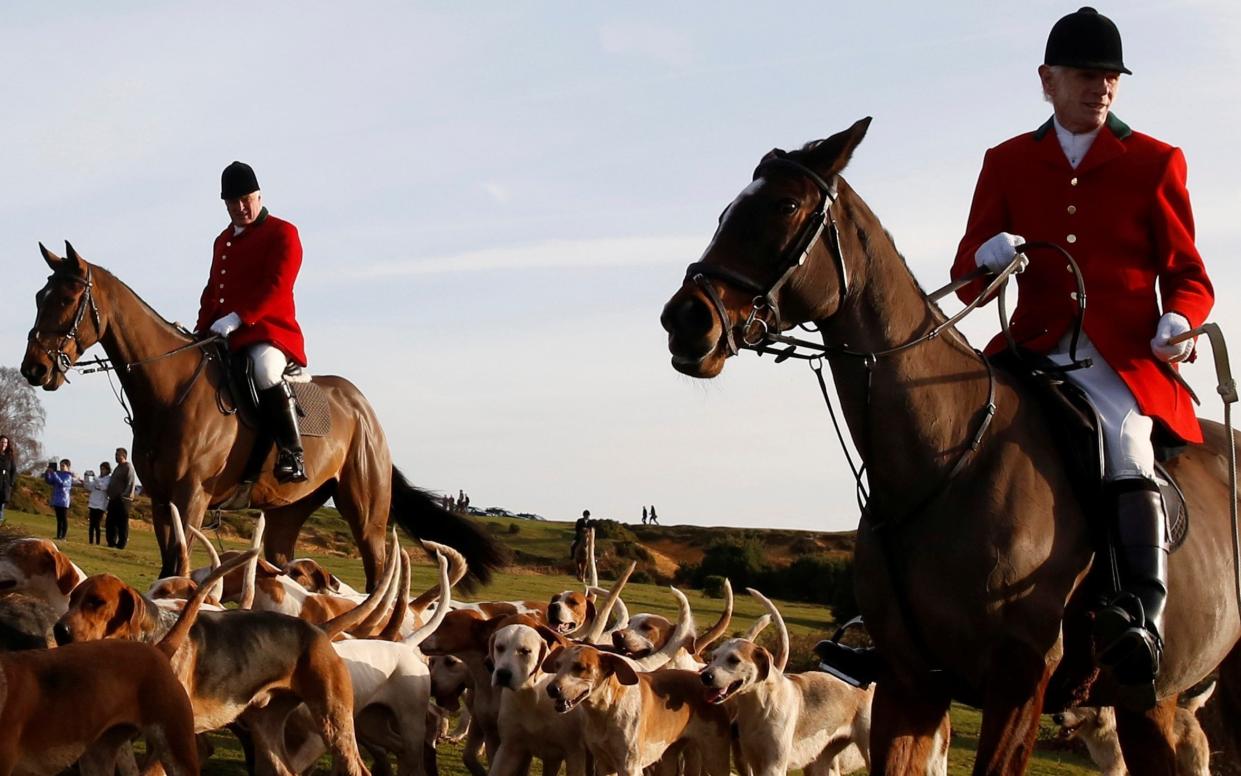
<point x="98" y="503"/>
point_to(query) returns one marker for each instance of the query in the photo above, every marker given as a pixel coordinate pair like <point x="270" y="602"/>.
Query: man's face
<point x="120" y="457"/>
<point x="244" y="209"/>
<point x="1081" y="98"/>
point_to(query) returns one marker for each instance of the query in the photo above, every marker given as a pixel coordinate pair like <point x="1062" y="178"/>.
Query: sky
<point x="496" y="199"/>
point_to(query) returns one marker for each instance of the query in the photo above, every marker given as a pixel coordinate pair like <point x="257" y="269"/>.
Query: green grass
<point x="139" y="563"/>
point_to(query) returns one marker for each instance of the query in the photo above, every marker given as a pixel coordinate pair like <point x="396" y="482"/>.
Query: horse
<point x="973" y="553"/>
<point x="190" y="448"/>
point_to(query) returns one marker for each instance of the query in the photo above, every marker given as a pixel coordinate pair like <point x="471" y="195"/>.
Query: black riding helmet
<point x="1085" y="39"/>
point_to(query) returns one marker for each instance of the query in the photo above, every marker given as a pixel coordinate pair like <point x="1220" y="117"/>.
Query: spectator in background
<point x="120" y="498"/>
<point x="8" y="473"/>
<point x="61" y="481"/>
<point x="643" y="515"/>
<point x="654" y="519"/>
<point x="98" y="503"/>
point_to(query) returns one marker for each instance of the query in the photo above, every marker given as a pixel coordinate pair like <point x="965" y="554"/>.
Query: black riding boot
<point x="280" y="415"/>
<point x="1129" y="630"/>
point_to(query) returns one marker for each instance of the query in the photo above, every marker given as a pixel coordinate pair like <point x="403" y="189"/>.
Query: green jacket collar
<point x="1118" y="128"/>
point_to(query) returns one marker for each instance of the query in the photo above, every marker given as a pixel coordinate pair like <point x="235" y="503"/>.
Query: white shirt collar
<point x="1074" y="146"/>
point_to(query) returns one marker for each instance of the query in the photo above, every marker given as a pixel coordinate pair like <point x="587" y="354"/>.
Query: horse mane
<point x="169" y="326"/>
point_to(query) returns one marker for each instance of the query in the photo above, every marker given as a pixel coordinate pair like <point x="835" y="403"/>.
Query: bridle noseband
<point x="60" y="359"/>
<point x="764" y="319"/>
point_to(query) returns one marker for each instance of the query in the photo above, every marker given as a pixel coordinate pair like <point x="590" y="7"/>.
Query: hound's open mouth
<point x="718" y="695"/>
<point x="5" y="584"/>
<point x="564" y="705"/>
<point x="566" y="627"/>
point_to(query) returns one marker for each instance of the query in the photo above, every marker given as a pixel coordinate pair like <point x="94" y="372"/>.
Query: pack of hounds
<point x="303" y="665"/>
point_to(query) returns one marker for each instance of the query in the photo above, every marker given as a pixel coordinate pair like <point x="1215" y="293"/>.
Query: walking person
<point x="8" y="473"/>
<point x="61" y="481"/>
<point x="97" y="505"/>
<point x="643" y="515"/>
<point x="1117" y="199"/>
<point x="248" y="299"/>
<point x="654" y="519"/>
<point x="120" y="492"/>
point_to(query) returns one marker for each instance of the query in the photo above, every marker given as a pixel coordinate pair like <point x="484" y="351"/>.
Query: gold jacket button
<point x="1072" y="181"/>
<point x="221" y="300"/>
<point x="1072" y="209"/>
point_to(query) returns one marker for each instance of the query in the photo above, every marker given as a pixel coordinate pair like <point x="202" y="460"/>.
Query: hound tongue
<point x="566" y="627"/>
<point x="719" y="694"/>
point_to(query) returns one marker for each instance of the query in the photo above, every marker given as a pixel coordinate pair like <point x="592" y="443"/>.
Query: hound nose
<point x="553" y="691"/>
<point x="502" y="677"/>
<point x="707" y="678"/>
<point x="35" y="373"/>
<point x="687" y="317"/>
<point x="62" y="633"/>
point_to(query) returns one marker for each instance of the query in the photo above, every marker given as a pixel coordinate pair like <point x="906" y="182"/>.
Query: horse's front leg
<point x="191" y="504"/>
<point x="909" y="730"/>
<point x="1012" y="704"/>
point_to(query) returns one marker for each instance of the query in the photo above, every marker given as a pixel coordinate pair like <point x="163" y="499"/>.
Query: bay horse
<point x="973" y="552"/>
<point x="190" y="452"/>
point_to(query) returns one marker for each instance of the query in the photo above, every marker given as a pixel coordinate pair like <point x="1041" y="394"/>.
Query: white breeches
<point x="269" y="363"/>
<point x="1128" y="451"/>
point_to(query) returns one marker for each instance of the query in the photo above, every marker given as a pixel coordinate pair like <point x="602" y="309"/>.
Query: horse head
<point x="67" y="320"/>
<point x="775" y="260"/>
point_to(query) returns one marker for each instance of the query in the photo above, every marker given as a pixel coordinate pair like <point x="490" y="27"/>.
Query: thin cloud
<point x="659" y="44"/>
<point x="559" y="254"/>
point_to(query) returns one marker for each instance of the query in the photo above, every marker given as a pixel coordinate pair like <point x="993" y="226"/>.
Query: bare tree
<point x="21" y="418"/>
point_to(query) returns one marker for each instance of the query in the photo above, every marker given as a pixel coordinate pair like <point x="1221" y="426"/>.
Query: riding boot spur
<point x="1129" y="629"/>
<point x="280" y="413"/>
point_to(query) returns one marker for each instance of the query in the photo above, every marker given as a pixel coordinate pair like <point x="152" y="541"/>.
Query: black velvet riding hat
<point x="1085" y="39"/>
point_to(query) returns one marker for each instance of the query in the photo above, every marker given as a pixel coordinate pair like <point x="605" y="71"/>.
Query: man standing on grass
<point x="120" y="499"/>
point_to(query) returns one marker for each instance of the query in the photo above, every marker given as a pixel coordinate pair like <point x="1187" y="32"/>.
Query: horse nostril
<point x="691" y="318"/>
<point x="34" y="373"/>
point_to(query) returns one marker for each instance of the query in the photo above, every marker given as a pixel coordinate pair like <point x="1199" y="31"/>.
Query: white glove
<point x="1170" y="325"/>
<point x="995" y="254"/>
<point x="226" y="325"/>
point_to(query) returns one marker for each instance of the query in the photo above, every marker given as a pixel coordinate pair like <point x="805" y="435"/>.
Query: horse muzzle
<point x="694" y="334"/>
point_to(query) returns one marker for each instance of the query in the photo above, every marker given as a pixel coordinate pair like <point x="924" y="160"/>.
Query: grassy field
<point x="532" y="540"/>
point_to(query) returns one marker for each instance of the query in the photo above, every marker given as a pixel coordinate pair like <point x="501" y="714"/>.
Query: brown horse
<point x="190" y="453"/>
<point x="971" y="564"/>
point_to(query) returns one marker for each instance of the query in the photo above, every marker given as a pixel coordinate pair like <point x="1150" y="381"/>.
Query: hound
<point x="1096" y="728"/>
<point x="256" y="664"/>
<point x="786" y="721"/>
<point x="57" y="706"/>
<point x="645" y="634"/>
<point x="38" y="568"/>
<point x="630" y="719"/>
<point x="528" y="723"/>
<point x="391" y="689"/>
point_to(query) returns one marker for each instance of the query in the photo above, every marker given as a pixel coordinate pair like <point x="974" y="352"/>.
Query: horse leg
<point x="1013" y="702"/>
<point x="365" y="504"/>
<point x="191" y="503"/>
<point x="1147" y="740"/>
<point x="285" y="523"/>
<point x="909" y="730"/>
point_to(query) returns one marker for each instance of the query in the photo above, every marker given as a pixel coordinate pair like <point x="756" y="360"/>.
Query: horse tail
<point x="416" y="511"/>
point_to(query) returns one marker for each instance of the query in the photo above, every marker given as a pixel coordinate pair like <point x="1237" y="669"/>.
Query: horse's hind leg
<point x="1147" y="739"/>
<point x="365" y="502"/>
<point x="1013" y="702"/>
<point x="285" y="523"/>
<point x="909" y="730"/>
<point x="1219" y="717"/>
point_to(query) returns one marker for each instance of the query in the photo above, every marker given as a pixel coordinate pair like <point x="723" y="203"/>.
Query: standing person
<point x="61" y="481"/>
<point x="8" y="473"/>
<point x="249" y="300"/>
<point x="120" y="492"/>
<point x="98" y="503"/>
<point x="1117" y="200"/>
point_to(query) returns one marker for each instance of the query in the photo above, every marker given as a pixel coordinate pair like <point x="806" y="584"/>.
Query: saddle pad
<point x="314" y="414"/>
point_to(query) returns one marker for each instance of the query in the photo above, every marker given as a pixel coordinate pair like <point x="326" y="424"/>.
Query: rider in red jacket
<point x="249" y="300"/>
<point x="1116" y="200"/>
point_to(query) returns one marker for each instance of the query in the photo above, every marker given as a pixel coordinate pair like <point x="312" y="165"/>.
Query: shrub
<point x="713" y="586"/>
<point x="513" y="529"/>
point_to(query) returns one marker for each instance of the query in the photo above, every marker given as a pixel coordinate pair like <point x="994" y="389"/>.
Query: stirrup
<point x="856" y="666"/>
<point x="290" y="466"/>
<point x="1129" y="649"/>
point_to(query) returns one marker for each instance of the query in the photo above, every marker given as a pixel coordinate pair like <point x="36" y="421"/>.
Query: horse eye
<point x="788" y="206"/>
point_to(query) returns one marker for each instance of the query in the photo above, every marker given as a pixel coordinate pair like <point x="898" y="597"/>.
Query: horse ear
<point x="71" y="256"/>
<point x="829" y="157"/>
<point x="52" y="259"/>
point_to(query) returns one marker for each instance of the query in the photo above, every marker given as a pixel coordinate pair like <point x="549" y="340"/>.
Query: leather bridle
<point x="764" y="318"/>
<point x="60" y="359"/>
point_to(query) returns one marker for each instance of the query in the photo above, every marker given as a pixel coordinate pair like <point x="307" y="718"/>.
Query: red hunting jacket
<point x="1124" y="215"/>
<point x="252" y="274"/>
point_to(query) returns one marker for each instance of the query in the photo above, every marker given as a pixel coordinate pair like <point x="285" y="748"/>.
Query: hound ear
<point x="266" y="568"/>
<point x="128" y="614"/>
<point x="591" y="612"/>
<point x="762" y="660"/>
<point x="620" y="668"/>
<point x="550" y="637"/>
<point x="52" y="259"/>
<point x="551" y="663"/>
<point x="333" y="582"/>
<point x="66" y="575"/>
<point x="829" y="157"/>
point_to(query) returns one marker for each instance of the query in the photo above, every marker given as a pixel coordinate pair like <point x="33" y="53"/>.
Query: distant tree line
<point x="818" y="578"/>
